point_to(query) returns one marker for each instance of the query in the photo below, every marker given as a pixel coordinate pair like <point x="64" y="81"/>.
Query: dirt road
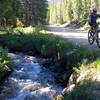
<point x="78" y="36"/>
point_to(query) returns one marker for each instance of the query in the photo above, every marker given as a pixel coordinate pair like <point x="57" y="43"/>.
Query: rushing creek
<point x="29" y="80"/>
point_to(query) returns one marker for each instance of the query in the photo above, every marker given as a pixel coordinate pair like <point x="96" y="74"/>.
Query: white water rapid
<point x="29" y="81"/>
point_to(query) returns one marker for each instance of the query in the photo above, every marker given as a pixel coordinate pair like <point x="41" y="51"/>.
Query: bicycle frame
<point x="93" y="34"/>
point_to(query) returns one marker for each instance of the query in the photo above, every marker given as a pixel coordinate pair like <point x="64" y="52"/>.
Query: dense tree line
<point x="25" y="11"/>
<point x="62" y="11"/>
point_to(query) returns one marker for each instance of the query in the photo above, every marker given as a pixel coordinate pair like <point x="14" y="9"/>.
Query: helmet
<point x="95" y="9"/>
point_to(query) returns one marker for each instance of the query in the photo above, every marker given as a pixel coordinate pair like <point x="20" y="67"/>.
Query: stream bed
<point x="29" y="80"/>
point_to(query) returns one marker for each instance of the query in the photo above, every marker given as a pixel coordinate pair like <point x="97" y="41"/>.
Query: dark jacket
<point x="93" y="19"/>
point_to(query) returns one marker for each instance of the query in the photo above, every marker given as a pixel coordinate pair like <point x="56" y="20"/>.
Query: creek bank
<point x="61" y="75"/>
<point x="83" y="86"/>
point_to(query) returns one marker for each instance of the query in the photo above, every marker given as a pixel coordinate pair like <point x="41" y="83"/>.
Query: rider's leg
<point x="92" y="28"/>
<point x="95" y="28"/>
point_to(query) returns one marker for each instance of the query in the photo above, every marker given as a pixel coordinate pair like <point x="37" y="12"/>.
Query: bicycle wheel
<point x="91" y="37"/>
<point x="98" y="39"/>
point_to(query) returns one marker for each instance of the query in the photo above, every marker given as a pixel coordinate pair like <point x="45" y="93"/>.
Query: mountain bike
<point x="94" y="35"/>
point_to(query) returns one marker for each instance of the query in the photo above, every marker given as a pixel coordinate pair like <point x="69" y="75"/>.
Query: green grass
<point x="23" y="30"/>
<point x="96" y="64"/>
<point x="5" y="64"/>
<point x="86" y="88"/>
<point x="81" y="92"/>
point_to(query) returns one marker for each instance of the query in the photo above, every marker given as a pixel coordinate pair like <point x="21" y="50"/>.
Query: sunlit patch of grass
<point x="25" y="30"/>
<point x="81" y="92"/>
<point x="31" y="30"/>
<point x="93" y="67"/>
<point x="3" y="32"/>
<point x="96" y="64"/>
<point x="6" y="30"/>
<point x="85" y="87"/>
<point x="79" y="69"/>
<point x="5" y="64"/>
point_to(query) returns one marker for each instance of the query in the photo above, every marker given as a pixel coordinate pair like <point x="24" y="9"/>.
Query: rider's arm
<point x="98" y="15"/>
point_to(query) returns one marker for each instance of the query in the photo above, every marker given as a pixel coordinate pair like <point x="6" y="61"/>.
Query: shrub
<point x="5" y="64"/>
<point x="96" y="64"/>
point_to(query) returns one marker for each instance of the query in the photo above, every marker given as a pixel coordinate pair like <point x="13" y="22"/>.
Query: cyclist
<point x="93" y="19"/>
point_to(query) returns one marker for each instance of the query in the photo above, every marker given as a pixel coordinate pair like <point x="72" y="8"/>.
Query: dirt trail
<point x="78" y="36"/>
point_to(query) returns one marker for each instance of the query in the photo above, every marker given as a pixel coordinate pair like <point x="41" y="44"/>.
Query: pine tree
<point x="54" y="12"/>
<point x="87" y="6"/>
<point x="63" y="10"/>
<point x="28" y="11"/>
<point x="77" y="9"/>
<point x="69" y="11"/>
<point x="95" y="2"/>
